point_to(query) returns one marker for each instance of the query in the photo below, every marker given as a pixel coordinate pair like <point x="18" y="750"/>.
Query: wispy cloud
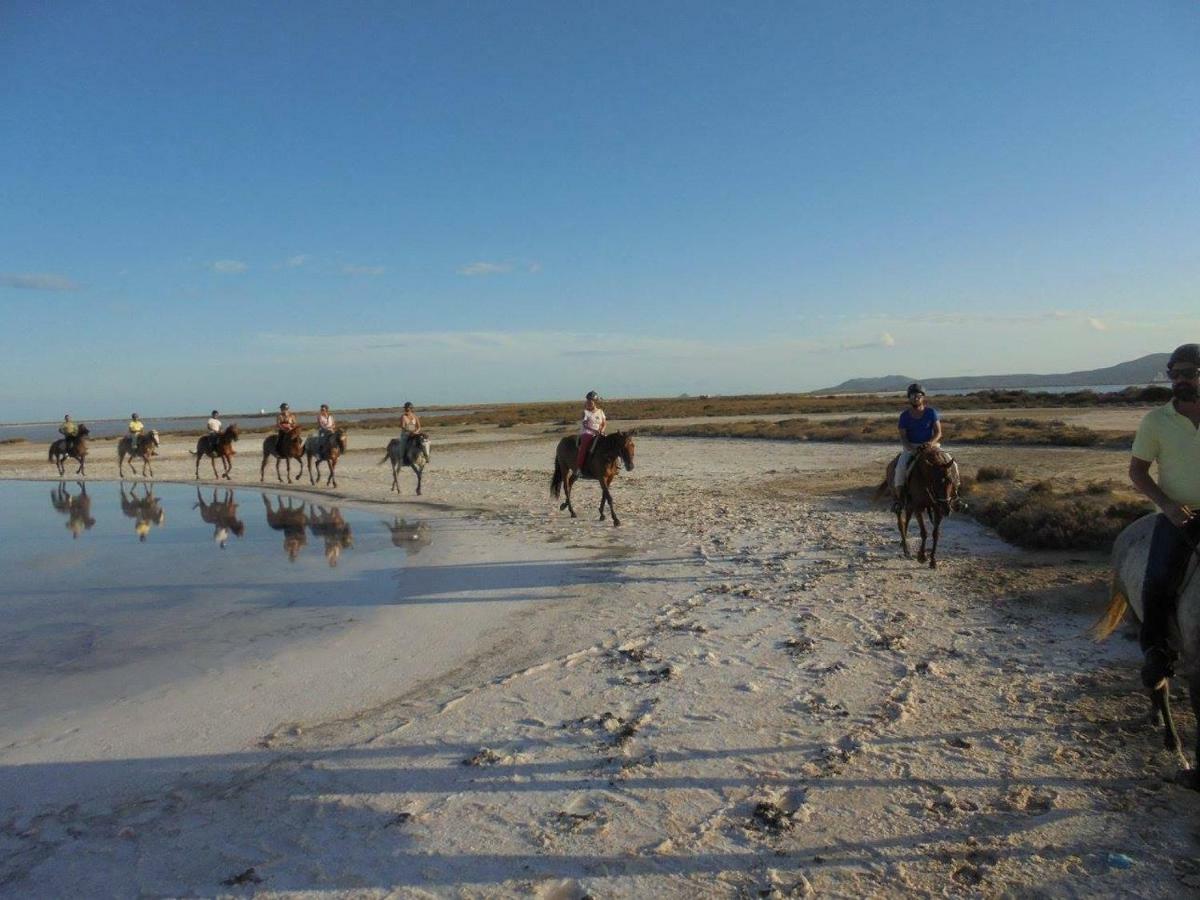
<point x="295" y="262"/>
<point x="534" y="267"/>
<point x="228" y="266"/>
<point x="482" y="267"/>
<point x="363" y="270"/>
<point x="38" y="281"/>
<point x="1097" y="324"/>
<point x="884" y="340"/>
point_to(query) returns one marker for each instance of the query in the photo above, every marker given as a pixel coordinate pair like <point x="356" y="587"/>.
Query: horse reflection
<point x="221" y="515"/>
<point x="412" y="536"/>
<point x="289" y="519"/>
<point x="146" y="510"/>
<point x="329" y="525"/>
<point x="76" y="507"/>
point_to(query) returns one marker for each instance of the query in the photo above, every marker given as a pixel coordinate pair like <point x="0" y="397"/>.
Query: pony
<point x="929" y="490"/>
<point x="218" y="445"/>
<point x="76" y="449"/>
<point x="326" y="448"/>
<point x="145" y="450"/>
<point x="1129" y="555"/>
<point x="221" y="515"/>
<point x="415" y="455"/>
<point x="284" y="448"/>
<point x="608" y="451"/>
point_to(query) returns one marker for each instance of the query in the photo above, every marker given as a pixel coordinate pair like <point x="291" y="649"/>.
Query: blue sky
<point x="234" y="204"/>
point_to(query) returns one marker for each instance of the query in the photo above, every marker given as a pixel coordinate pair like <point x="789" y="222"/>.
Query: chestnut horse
<point x="222" y="515"/>
<point x="415" y="455"/>
<point x="76" y="449"/>
<point x="287" y="448"/>
<point x="145" y="450"/>
<point x="326" y="448"/>
<point x="217" y="445"/>
<point x="607" y="453"/>
<point x="929" y="489"/>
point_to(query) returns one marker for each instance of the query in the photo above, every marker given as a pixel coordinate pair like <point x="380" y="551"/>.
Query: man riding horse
<point x="920" y="427"/>
<point x="1169" y="436"/>
<point x="70" y="432"/>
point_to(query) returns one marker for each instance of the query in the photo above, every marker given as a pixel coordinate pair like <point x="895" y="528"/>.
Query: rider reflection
<point x="146" y="510"/>
<point x="76" y="507"/>
<point x="221" y="515"/>
<point x="412" y="536"/>
<point x="289" y="519"/>
<point x="333" y="528"/>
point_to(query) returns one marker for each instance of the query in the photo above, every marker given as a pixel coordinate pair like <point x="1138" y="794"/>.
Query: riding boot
<point x="1166" y="562"/>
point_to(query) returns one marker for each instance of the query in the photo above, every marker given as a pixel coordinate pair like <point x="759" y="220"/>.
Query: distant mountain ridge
<point x="1142" y="370"/>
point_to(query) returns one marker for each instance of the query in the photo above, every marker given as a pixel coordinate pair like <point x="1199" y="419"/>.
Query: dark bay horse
<point x="929" y="490"/>
<point x="602" y="464"/>
<point x="286" y="448"/>
<point x="415" y="455"/>
<point x="218" y="445"/>
<point x="222" y="515"/>
<point x="326" y="448"/>
<point x="145" y="451"/>
<point x="76" y="449"/>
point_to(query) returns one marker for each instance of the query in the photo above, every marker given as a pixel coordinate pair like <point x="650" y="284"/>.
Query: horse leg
<point x="1161" y="699"/>
<point x="567" y="482"/>
<point x="924" y="536"/>
<point x="1190" y="777"/>
<point x="607" y="495"/>
<point x="332" y="472"/>
<point x="395" y="476"/>
<point x="936" y="516"/>
<point x="902" y="519"/>
<point x="262" y="471"/>
<point x="420" y="472"/>
<point x="603" y="498"/>
<point x="308" y="456"/>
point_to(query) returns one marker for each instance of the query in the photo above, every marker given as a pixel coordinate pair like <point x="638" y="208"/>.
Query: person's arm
<point x="1139" y="474"/>
<point x="937" y="431"/>
<point x="904" y="440"/>
<point x="603" y="422"/>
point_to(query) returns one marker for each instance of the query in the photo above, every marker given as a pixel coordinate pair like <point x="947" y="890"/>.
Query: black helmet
<point x="283" y="406"/>
<point x="592" y="395"/>
<point x="1185" y="355"/>
<point x="215" y="413"/>
<point x="915" y="388"/>
<point x="408" y="404"/>
<point x="133" y="415"/>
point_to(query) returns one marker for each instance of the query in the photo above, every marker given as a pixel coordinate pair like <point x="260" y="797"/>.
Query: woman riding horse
<point x="602" y="464"/>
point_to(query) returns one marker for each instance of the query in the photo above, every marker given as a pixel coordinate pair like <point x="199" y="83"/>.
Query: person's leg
<point x="1169" y="553"/>
<point x="899" y="477"/>
<point x="585" y="441"/>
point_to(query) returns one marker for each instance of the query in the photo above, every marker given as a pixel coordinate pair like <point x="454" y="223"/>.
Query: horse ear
<point x="632" y="432"/>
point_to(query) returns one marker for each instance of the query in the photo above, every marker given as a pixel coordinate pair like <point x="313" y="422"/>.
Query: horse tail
<point x="556" y="480"/>
<point x="880" y="490"/>
<point x="1118" y="605"/>
<point x="50" y="455"/>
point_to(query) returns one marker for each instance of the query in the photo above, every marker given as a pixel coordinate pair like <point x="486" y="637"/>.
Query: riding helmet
<point x="1185" y="355"/>
<point x="283" y="406"/>
<point x="592" y="395"/>
<point x="915" y="388"/>
<point x="408" y="404"/>
<point x="215" y="413"/>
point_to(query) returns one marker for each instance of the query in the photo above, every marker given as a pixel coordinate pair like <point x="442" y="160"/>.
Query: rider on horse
<point x="70" y="431"/>
<point x="286" y="423"/>
<point x="325" y="425"/>
<point x="1168" y="435"/>
<point x="920" y="427"/>
<point x="410" y="426"/>
<point x="135" y="430"/>
<point x="214" y="423"/>
<point x="591" y="426"/>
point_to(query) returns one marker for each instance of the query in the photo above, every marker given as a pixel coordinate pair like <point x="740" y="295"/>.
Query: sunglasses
<point x="1186" y="373"/>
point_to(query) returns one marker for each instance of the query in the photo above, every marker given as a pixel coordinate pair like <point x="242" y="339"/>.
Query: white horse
<point x="415" y="455"/>
<point x="1130" y="552"/>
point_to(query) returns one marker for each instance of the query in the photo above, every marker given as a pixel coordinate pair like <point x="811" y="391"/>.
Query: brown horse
<point x="415" y="455"/>
<point x="607" y="453"/>
<point x="326" y="448"/>
<point x="332" y="528"/>
<point x="65" y="447"/>
<point x="76" y="507"/>
<point x="929" y="490"/>
<point x="284" y="448"/>
<point x="289" y="519"/>
<point x="145" y="450"/>
<point x="221" y="515"/>
<point x="218" y="445"/>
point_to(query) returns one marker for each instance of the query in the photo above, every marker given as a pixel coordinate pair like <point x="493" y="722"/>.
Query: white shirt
<point x="214" y="425"/>
<point x="593" y="421"/>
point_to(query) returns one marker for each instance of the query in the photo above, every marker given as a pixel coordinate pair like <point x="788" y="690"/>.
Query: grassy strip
<point x="1043" y="515"/>
<point x="964" y="430"/>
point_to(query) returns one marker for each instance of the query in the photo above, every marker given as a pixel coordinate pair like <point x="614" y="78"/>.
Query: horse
<point x="218" y="445"/>
<point x="146" y="511"/>
<point x="608" y="451"/>
<point x="1129" y="556"/>
<point x="292" y="447"/>
<point x="76" y="449"/>
<point x="929" y="489"/>
<point x="326" y="448"/>
<point x="76" y="507"/>
<point x="145" y="450"/>
<point x="291" y="520"/>
<point x="221" y="515"/>
<point x="413" y="537"/>
<point x="333" y="529"/>
<point x="415" y="456"/>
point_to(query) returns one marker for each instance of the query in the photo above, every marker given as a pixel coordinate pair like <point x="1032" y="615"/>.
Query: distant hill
<point x="1137" y="371"/>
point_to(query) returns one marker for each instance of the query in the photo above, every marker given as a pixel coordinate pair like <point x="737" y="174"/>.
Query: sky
<point x="234" y="204"/>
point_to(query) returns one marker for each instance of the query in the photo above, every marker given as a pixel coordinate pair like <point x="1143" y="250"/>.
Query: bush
<point x="994" y="473"/>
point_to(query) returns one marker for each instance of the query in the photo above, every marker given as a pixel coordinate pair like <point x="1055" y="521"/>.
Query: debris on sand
<point x="398" y="819"/>
<point x="247" y="877"/>
<point x="485" y="756"/>
<point x="770" y="816"/>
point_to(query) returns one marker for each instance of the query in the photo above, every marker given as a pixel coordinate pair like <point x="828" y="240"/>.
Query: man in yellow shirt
<point x="135" y="430"/>
<point x="1169" y="436"/>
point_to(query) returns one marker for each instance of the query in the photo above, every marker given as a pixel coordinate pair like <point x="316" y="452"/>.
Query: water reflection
<point x="329" y="525"/>
<point x="289" y="519"/>
<point x="146" y="510"/>
<point x="76" y="507"/>
<point x="412" y="536"/>
<point x="221" y="515"/>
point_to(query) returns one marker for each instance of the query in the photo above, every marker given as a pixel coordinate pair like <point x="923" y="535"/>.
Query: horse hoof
<point x="616" y="522"/>
<point x="562" y="506"/>
<point x="933" y="563"/>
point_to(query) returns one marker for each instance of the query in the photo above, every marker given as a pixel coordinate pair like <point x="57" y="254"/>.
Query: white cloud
<point x="534" y="267"/>
<point x="485" y="268"/>
<point x="1097" y="324"/>
<point x="884" y="340"/>
<point x="295" y="262"/>
<point x="228" y="266"/>
<point x="363" y="270"/>
<point x="38" y="281"/>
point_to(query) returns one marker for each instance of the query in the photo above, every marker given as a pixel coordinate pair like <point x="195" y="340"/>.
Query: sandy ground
<point x="757" y="696"/>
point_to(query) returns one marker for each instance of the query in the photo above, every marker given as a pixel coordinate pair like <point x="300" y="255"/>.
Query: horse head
<point x="83" y="431"/>
<point x="625" y="448"/>
<point x="154" y="437"/>
<point x="418" y="446"/>
<point x="934" y="464"/>
<point x="231" y="432"/>
<point x="339" y="437"/>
